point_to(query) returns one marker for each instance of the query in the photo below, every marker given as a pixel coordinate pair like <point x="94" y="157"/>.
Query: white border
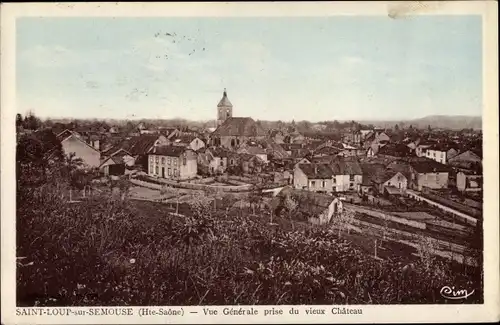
<point x="394" y="313"/>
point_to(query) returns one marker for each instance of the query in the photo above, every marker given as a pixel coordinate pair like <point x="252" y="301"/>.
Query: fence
<point x="385" y="216"/>
<point x="157" y="184"/>
<point x="465" y="218"/>
<point x="451" y="204"/>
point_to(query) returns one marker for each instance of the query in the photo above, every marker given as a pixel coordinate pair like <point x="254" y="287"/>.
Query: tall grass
<point x="105" y="251"/>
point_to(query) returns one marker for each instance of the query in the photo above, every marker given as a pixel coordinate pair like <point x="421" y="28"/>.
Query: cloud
<point x="353" y="60"/>
<point x="50" y="56"/>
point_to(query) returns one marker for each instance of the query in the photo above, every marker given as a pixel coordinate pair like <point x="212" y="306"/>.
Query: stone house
<point x="117" y="163"/>
<point x="254" y="150"/>
<point x="347" y="175"/>
<point x="190" y="141"/>
<point x="428" y="173"/>
<point x="172" y="162"/>
<point x="469" y="182"/>
<point x="316" y="208"/>
<point x="72" y="143"/>
<point x="313" y="177"/>
<point x="214" y="160"/>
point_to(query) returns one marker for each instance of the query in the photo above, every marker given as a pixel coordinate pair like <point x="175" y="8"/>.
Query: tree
<point x="343" y="220"/>
<point x="165" y="189"/>
<point x="124" y="188"/>
<point x="19" y="120"/>
<point x="429" y="128"/>
<point x="426" y="248"/>
<point x="31" y="122"/>
<point x="290" y="206"/>
<point x="254" y="198"/>
<point x="396" y="128"/>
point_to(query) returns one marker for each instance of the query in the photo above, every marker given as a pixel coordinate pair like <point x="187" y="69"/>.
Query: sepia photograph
<point x="253" y="160"/>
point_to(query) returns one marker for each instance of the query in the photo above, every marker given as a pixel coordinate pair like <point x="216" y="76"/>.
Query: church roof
<point x="224" y="101"/>
<point x="239" y="126"/>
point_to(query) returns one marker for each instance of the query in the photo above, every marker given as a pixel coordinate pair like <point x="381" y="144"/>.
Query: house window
<point x="334" y="180"/>
<point x="156" y="170"/>
<point x="351" y="178"/>
<point x="232" y="161"/>
<point x="184" y="161"/>
<point x="169" y="172"/>
<point x="151" y="169"/>
<point x="151" y="158"/>
<point x="221" y="162"/>
<point x="157" y="159"/>
<point x="176" y="172"/>
<point x="313" y="183"/>
<point x="163" y="160"/>
<point x="169" y="160"/>
<point x="323" y="184"/>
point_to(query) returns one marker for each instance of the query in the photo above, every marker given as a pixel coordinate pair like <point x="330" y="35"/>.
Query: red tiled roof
<point x="429" y="166"/>
<point x="142" y="144"/>
<point x="239" y="126"/>
<point x="171" y="151"/>
<point x="317" y="171"/>
<point x="346" y="167"/>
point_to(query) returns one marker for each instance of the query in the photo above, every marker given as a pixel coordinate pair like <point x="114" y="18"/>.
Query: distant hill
<point x="454" y="122"/>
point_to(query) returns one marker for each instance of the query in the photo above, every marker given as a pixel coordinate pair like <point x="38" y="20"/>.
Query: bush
<point x="108" y="252"/>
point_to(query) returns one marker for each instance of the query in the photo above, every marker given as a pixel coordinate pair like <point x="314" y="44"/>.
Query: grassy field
<point x="105" y="251"/>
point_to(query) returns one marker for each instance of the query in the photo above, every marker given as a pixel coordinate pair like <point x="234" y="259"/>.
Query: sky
<point x="274" y="68"/>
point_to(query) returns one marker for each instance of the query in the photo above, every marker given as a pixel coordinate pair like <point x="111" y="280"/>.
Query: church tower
<point x="224" y="109"/>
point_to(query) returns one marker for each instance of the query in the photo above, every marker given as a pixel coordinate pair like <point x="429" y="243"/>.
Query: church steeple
<point x="224" y="109"/>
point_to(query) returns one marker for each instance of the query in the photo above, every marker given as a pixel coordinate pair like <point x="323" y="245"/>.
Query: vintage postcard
<point x="249" y="162"/>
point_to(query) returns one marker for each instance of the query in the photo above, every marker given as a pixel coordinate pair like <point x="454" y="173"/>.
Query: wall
<point x="197" y="144"/>
<point x="225" y="141"/>
<point x="323" y="218"/>
<point x="215" y="165"/>
<point x="166" y="163"/>
<point x="437" y="155"/>
<point x="128" y="160"/>
<point x="464" y="182"/>
<point x="398" y="181"/>
<point x="190" y="186"/>
<point x="385" y="216"/>
<point x="89" y="155"/>
<point x="263" y="157"/>
<point x="190" y="169"/>
<point x="420" y="150"/>
<point x="343" y="183"/>
<point x="299" y="179"/>
<point x="432" y="180"/>
<point x="466" y="218"/>
<point x="323" y="185"/>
